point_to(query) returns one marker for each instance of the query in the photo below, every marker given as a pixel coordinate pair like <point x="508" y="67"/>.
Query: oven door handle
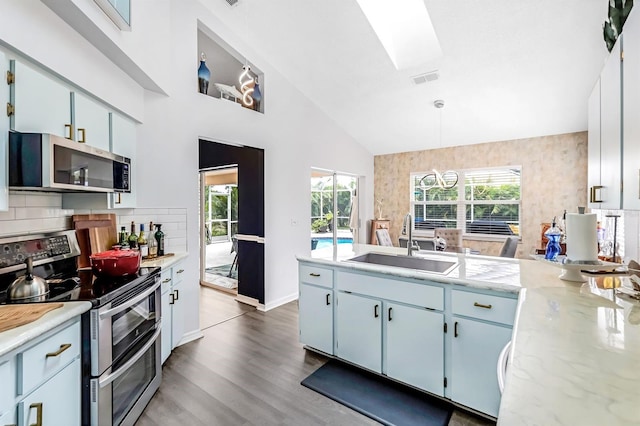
<point x="120" y="371"/>
<point x="127" y="305"/>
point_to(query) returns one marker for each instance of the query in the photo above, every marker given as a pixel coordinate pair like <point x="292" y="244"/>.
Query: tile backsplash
<point x="38" y="212"/>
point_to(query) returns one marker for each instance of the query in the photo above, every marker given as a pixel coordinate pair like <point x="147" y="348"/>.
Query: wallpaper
<point x="554" y="178"/>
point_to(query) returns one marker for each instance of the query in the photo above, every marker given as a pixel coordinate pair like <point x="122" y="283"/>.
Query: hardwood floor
<point x="247" y="371"/>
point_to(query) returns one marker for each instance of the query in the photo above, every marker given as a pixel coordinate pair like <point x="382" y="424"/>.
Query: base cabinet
<point x="316" y="317"/>
<point x="474" y="353"/>
<point x="172" y="320"/>
<point x="359" y="330"/>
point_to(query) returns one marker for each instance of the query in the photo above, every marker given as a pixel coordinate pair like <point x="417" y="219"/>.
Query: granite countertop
<point x="165" y="262"/>
<point x="16" y="337"/>
<point x="575" y="354"/>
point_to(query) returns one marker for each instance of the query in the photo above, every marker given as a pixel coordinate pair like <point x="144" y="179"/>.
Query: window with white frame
<point x="483" y="202"/>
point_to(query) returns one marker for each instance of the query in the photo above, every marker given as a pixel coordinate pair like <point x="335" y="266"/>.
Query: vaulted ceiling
<point x="510" y="68"/>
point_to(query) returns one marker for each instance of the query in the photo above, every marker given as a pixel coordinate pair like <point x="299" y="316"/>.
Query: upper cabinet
<point x="631" y="112"/>
<point x="4" y="135"/>
<point x="91" y="121"/>
<point x="39" y="104"/>
<point x="123" y="142"/>
<point x="614" y="130"/>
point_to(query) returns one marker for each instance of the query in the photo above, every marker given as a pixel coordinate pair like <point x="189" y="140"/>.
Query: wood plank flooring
<point x="247" y="371"/>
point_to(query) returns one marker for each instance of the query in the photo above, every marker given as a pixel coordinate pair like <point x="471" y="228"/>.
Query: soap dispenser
<point x="553" y="235"/>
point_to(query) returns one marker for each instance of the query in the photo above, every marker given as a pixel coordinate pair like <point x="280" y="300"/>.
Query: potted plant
<point x="319" y="226"/>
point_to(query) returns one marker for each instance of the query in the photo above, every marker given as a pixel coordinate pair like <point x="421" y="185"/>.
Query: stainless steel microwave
<point x="39" y="161"/>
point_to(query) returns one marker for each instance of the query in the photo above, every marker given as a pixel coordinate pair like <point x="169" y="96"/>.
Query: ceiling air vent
<point x="425" y="78"/>
<point x="231" y="2"/>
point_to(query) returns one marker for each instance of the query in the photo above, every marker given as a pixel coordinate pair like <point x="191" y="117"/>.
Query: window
<point x="483" y="202"/>
<point x="119" y="11"/>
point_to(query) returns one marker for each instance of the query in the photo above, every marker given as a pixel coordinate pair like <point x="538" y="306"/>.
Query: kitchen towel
<point x="582" y="242"/>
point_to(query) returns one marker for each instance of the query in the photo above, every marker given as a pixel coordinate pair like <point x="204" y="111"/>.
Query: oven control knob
<point x="19" y="257"/>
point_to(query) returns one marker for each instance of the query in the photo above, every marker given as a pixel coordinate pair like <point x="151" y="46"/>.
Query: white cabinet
<point x="123" y="142"/>
<point x="631" y="110"/>
<point x="481" y="328"/>
<point x="414" y="346"/>
<point x="56" y="402"/>
<point x="41" y="380"/>
<point x="40" y="103"/>
<point x="316" y="317"/>
<point x="172" y="309"/>
<point x="91" y="121"/>
<point x="593" y="148"/>
<point x="611" y="131"/>
<point x="4" y="143"/>
<point x="359" y="330"/>
<point x="315" y="307"/>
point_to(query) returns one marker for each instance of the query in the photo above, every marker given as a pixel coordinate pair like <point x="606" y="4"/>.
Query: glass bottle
<point x="203" y="75"/>
<point x="160" y="239"/>
<point x="122" y="238"/>
<point x="553" y="234"/>
<point x="133" y="238"/>
<point x="142" y="242"/>
<point x="152" y="243"/>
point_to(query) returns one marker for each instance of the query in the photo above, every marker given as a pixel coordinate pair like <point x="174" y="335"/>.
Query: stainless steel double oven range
<point x="120" y="334"/>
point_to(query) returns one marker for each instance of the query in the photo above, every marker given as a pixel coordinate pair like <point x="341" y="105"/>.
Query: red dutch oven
<point x="115" y="263"/>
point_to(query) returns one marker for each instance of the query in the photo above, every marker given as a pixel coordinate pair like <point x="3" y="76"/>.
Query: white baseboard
<point x="191" y="336"/>
<point x="281" y="301"/>
<point x="250" y="301"/>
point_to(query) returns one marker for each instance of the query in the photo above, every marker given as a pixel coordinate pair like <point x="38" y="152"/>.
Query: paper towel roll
<point x="582" y="242"/>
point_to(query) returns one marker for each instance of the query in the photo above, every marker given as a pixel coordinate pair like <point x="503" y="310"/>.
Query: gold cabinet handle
<point x="313" y="274"/>
<point x="70" y="128"/>
<point x="82" y="139"/>
<point x="63" y="348"/>
<point x="180" y="271"/>
<point x="38" y="407"/>
<point x="593" y="195"/>
<point x="166" y="280"/>
<point x="480" y="305"/>
<point x="117" y="199"/>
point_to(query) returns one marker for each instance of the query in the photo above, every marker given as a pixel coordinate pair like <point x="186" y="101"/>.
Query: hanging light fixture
<point x="246" y="86"/>
<point x="445" y="180"/>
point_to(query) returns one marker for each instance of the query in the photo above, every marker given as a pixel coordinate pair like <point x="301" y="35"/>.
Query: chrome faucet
<point x="407" y="228"/>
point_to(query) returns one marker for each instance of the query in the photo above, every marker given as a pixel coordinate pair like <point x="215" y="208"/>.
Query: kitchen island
<point x="575" y="346"/>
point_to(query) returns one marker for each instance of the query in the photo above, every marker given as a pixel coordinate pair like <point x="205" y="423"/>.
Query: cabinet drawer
<point x="166" y="279"/>
<point x="8" y="387"/>
<point x="312" y="274"/>
<point x="412" y="293"/>
<point x="483" y="306"/>
<point x="48" y="357"/>
<point x="178" y="273"/>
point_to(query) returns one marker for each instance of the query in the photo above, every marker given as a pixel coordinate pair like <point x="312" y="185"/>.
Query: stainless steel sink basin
<point x="409" y="262"/>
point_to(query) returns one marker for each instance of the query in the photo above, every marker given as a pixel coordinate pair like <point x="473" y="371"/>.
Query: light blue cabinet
<point x="57" y="402"/>
<point x="414" y="346"/>
<point x="4" y="147"/>
<point x="172" y="320"/>
<point x="316" y="317"/>
<point x="91" y="121"/>
<point x="474" y="356"/>
<point x="9" y="418"/>
<point x="123" y="142"/>
<point x="359" y="330"/>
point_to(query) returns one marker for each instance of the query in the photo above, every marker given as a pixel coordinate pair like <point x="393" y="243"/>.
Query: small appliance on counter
<point x="121" y="355"/>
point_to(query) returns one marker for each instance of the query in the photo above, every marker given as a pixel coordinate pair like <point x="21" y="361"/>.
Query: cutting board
<point x="96" y="233"/>
<point x="12" y="316"/>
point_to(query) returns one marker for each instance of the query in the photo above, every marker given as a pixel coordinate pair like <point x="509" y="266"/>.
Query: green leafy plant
<point x="618" y="13"/>
<point x="319" y="225"/>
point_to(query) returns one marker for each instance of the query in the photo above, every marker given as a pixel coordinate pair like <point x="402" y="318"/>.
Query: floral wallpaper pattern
<point x="554" y="178"/>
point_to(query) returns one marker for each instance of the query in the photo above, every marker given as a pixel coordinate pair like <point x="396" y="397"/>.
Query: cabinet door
<point x="177" y="315"/>
<point x="42" y="105"/>
<point x="359" y="330"/>
<point x="474" y="359"/>
<point x="9" y="418"/>
<point x="414" y="347"/>
<point x="4" y="135"/>
<point x="165" y="323"/>
<point x="315" y="305"/>
<point x="91" y="122"/>
<point x="123" y="142"/>
<point x="631" y="111"/>
<point x="57" y="400"/>
<point x="611" y="130"/>
<point x="593" y="148"/>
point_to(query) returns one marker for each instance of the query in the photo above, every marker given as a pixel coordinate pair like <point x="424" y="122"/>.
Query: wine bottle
<point x="152" y="243"/>
<point x="142" y="242"/>
<point x="122" y="238"/>
<point x="133" y="238"/>
<point x="160" y="239"/>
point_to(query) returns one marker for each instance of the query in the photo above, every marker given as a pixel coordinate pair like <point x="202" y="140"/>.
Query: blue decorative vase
<point x="553" y="234"/>
<point x="204" y="75"/>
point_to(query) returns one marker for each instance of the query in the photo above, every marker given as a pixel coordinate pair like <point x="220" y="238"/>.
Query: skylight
<point x="404" y="29"/>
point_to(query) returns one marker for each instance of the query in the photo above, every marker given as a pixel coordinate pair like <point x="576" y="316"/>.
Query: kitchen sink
<point x="430" y="265"/>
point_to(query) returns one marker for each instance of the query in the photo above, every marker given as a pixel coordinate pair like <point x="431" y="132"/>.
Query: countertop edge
<point x="166" y="262"/>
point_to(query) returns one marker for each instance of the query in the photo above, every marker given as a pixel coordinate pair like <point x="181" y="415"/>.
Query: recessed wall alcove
<point x="225" y="64"/>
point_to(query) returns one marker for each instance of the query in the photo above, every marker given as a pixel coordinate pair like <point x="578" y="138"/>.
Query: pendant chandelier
<point x="246" y="86"/>
<point x="435" y="179"/>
